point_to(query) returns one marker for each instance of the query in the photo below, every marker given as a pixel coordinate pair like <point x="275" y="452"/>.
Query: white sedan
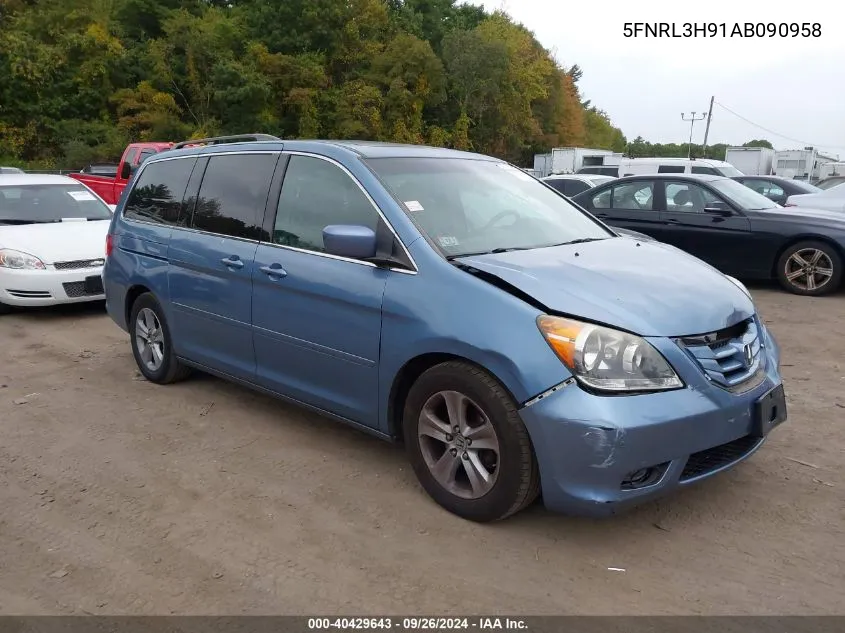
<point x="52" y="241"/>
<point x="832" y="199"/>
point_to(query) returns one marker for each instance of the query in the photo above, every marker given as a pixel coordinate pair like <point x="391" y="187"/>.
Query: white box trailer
<point x="751" y="161"/>
<point x="543" y="164"/>
<point x="568" y="160"/>
<point x="801" y="164"/>
<point x="828" y="170"/>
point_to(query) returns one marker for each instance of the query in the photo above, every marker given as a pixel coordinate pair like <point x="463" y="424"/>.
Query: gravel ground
<point x="121" y="497"/>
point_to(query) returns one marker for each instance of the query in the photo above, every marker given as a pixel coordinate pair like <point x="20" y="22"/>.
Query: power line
<point x="778" y="134"/>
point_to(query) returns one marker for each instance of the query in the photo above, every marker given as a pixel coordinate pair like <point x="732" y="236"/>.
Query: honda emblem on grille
<point x="749" y="355"/>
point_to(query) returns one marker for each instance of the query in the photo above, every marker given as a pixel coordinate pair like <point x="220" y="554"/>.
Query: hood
<point x="649" y="288"/>
<point x="58" y="242"/>
<point x="804" y="215"/>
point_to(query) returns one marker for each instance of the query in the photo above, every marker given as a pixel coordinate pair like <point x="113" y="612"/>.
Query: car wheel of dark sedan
<point x="467" y="444"/>
<point x="810" y="268"/>
<point x="151" y="343"/>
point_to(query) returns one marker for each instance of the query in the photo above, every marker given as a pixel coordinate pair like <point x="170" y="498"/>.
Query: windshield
<point x="742" y="196"/>
<point x="468" y="206"/>
<point x="804" y="187"/>
<point x="830" y="183"/>
<point x="38" y="204"/>
<point x="729" y="170"/>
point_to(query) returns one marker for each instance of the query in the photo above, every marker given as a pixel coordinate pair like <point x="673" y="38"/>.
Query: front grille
<point x="730" y="357"/>
<point x="76" y="289"/>
<point x="705" y="462"/>
<point x="79" y="263"/>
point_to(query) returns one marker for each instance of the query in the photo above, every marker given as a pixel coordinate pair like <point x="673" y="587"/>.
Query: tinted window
<point x="602" y="200"/>
<point x="638" y="195"/>
<point x="688" y="197"/>
<point x="315" y="194"/>
<point x="670" y="169"/>
<point x="558" y="184"/>
<point x="157" y="195"/>
<point x="705" y="170"/>
<point x="574" y="187"/>
<point x="233" y="194"/>
<point x="145" y="155"/>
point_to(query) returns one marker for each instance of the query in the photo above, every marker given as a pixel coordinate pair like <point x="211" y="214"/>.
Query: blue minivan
<point x="516" y="345"/>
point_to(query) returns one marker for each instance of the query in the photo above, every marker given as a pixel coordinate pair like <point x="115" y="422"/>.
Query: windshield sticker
<point x="447" y="241"/>
<point x="413" y="205"/>
<point x="81" y="196"/>
<point x="515" y="171"/>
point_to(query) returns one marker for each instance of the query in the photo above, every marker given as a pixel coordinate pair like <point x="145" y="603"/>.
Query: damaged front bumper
<point x="599" y="455"/>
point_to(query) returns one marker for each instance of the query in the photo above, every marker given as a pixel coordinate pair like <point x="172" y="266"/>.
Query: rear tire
<point x="810" y="268"/>
<point x="152" y="345"/>
<point x="467" y="444"/>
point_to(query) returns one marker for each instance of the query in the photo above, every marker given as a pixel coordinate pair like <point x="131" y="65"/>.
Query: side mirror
<point x="348" y="240"/>
<point x="125" y="171"/>
<point x="718" y="208"/>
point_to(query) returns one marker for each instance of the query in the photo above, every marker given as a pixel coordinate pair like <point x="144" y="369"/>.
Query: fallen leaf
<point x="60" y="573"/>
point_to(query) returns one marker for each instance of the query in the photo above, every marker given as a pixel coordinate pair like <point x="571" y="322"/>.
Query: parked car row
<point x="730" y="226"/>
<point x="373" y="283"/>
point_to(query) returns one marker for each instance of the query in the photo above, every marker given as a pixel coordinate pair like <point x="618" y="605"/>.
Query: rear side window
<point x="705" y="170"/>
<point x="233" y="195"/>
<point x="157" y="195"/>
<point x="670" y="169"/>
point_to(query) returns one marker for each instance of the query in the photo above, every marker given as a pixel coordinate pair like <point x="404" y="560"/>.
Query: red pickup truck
<point x="109" y="189"/>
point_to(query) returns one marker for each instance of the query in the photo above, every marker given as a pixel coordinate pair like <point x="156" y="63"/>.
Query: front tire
<point x="152" y="345"/>
<point x="467" y="444"/>
<point x="4" y="309"/>
<point x="810" y="268"/>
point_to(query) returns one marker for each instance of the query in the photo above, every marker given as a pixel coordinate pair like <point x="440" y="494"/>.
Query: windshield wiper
<point x="581" y="240"/>
<point x="495" y="251"/>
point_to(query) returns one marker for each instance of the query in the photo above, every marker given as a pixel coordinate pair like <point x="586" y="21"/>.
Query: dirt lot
<point x="117" y="496"/>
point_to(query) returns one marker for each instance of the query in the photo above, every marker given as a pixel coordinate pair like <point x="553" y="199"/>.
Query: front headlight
<point x="606" y="359"/>
<point x="741" y="286"/>
<point x="19" y="261"/>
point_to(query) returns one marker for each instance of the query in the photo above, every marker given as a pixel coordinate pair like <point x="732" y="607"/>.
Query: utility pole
<point x="707" y="129"/>
<point x="692" y="121"/>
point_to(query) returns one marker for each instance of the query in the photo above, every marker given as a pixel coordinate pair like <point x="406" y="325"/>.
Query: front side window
<point x="688" y="197"/>
<point x="468" y="206"/>
<point x="637" y="196"/>
<point x="315" y="194"/>
<point x="157" y="195"/>
<point x="45" y="204"/>
<point x="233" y="194"/>
<point x="670" y="169"/>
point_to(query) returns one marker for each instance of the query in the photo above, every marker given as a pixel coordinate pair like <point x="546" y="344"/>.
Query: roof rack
<point x="216" y="140"/>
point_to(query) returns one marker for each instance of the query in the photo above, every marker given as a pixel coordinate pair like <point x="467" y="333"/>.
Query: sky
<point x="795" y="87"/>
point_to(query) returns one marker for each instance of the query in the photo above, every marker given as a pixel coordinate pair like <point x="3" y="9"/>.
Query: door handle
<point x="274" y="271"/>
<point x="673" y="221"/>
<point x="232" y="262"/>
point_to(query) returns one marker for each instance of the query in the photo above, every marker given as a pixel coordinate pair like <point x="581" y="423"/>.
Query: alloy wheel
<point x="459" y="444"/>
<point x="149" y="339"/>
<point x="809" y="269"/>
